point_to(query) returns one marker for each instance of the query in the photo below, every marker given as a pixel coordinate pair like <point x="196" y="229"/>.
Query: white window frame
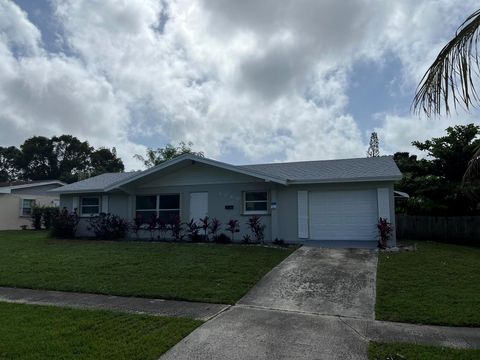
<point x="23" y="207"/>
<point x="165" y="210"/>
<point x="256" y="212"/>
<point x="153" y="209"/>
<point x="157" y="209"/>
<point x="82" y="206"/>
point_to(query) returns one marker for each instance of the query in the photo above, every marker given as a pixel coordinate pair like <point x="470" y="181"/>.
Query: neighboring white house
<point x="18" y="198"/>
<point x="326" y="202"/>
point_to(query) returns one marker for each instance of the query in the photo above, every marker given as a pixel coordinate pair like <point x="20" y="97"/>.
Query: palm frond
<point x="473" y="171"/>
<point x="449" y="78"/>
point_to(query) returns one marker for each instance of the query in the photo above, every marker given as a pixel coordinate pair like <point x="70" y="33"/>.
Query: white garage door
<point x="343" y="215"/>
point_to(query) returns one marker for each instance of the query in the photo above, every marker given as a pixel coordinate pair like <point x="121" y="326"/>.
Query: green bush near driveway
<point x="31" y="332"/>
<point x="436" y="284"/>
<point x="402" y="351"/>
<point x="196" y="272"/>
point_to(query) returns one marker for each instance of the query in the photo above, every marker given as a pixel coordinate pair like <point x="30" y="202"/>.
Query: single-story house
<point x="330" y="202"/>
<point x="17" y="199"/>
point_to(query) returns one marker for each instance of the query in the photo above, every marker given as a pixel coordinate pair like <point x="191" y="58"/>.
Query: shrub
<point x="385" y="230"/>
<point x="176" y="228"/>
<point x="162" y="229"/>
<point x="204" y="225"/>
<point x="137" y="224"/>
<point x="246" y="239"/>
<point x="64" y="224"/>
<point x="48" y="212"/>
<point x="42" y="215"/>
<point x="279" y="242"/>
<point x="233" y="226"/>
<point x="214" y="227"/>
<point x="192" y="231"/>
<point x="36" y="217"/>
<point x="108" y="226"/>
<point x="152" y="226"/>
<point x="257" y="228"/>
<point x="222" y="239"/>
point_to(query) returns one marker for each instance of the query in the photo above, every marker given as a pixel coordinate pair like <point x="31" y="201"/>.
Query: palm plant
<point x="450" y="80"/>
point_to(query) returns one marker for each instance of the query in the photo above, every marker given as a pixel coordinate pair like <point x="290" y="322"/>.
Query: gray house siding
<point x="225" y="188"/>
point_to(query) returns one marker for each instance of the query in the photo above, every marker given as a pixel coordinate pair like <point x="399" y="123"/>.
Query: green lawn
<point x="43" y="332"/>
<point x="196" y="272"/>
<point x="400" y="351"/>
<point x="437" y="284"/>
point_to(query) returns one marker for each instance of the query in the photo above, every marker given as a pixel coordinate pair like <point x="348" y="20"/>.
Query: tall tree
<point x="160" y="155"/>
<point x="104" y="160"/>
<point x="9" y="170"/>
<point x="373" y="149"/>
<point x="435" y="183"/>
<point x="449" y="80"/>
<point x="37" y="160"/>
<point x="62" y="157"/>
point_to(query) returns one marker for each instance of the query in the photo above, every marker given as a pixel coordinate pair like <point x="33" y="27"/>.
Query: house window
<point x="168" y="208"/>
<point x="90" y="206"/>
<point x="146" y="207"/>
<point x="27" y="205"/>
<point x="165" y="206"/>
<point x="255" y="202"/>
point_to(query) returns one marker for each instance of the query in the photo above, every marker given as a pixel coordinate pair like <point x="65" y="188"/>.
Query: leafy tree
<point x="8" y="163"/>
<point x="104" y="160"/>
<point x="435" y="183"/>
<point x="38" y="160"/>
<point x="62" y="157"/>
<point x="449" y="80"/>
<point x="373" y="150"/>
<point x="160" y="155"/>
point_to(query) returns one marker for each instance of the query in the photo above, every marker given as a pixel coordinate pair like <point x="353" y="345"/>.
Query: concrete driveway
<point x="337" y="282"/>
<point x="294" y="312"/>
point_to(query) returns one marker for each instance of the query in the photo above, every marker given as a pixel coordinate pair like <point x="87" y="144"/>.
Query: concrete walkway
<point x="320" y="281"/>
<point x="158" y="307"/>
<point x="317" y="304"/>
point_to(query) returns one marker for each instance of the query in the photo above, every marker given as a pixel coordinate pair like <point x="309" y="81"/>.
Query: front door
<point x="198" y="205"/>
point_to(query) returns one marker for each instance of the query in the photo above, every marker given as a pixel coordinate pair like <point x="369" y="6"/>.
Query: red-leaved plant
<point x="214" y="227"/>
<point x="233" y="226"/>
<point x="257" y="228"/>
<point x="204" y="224"/>
<point x="385" y="230"/>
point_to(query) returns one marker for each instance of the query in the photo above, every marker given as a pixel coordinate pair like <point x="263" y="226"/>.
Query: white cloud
<point x="264" y="79"/>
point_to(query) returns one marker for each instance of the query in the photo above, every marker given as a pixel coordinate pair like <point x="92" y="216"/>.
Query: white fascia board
<point x="351" y="180"/>
<point x="60" y="192"/>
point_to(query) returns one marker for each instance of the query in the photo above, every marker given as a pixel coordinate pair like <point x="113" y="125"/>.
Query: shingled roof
<point x="322" y="171"/>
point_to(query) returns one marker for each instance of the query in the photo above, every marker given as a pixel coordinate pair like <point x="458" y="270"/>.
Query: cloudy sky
<point x="246" y="81"/>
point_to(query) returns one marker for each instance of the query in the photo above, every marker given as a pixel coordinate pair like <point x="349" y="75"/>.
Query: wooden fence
<point x="451" y="229"/>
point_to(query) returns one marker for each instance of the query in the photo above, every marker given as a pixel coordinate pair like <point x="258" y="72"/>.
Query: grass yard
<point x="44" y="332"/>
<point x="197" y="272"/>
<point x="400" y="351"/>
<point x="437" y="284"/>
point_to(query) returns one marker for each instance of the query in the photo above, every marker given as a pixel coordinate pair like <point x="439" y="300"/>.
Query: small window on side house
<point x="90" y="206"/>
<point x="255" y="202"/>
<point x="27" y="205"/>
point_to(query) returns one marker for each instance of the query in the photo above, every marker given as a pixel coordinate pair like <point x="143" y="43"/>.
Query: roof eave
<point x="329" y="181"/>
<point x="76" y="191"/>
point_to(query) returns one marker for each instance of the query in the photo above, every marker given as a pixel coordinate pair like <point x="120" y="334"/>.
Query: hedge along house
<point x="331" y="202"/>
